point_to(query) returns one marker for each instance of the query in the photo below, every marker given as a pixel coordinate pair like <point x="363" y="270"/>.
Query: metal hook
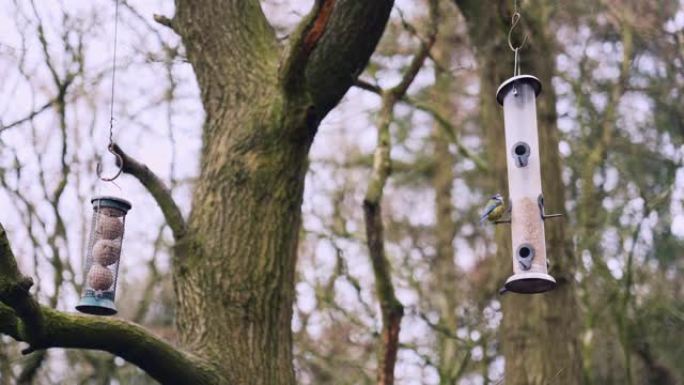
<point x="119" y="162"/>
<point x="515" y="20"/>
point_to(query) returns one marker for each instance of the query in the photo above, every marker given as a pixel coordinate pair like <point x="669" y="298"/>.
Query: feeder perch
<point x="518" y="95"/>
<point x="104" y="253"/>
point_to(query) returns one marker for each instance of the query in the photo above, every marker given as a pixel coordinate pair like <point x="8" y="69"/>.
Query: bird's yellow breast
<point x="496" y="213"/>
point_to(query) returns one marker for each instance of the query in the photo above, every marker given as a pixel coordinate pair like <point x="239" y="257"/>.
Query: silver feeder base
<point x="530" y="283"/>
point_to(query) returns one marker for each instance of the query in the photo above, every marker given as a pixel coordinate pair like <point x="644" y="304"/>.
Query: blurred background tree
<point x="612" y="129"/>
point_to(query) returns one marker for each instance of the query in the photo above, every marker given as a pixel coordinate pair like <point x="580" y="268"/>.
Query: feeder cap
<point x="506" y="86"/>
<point x="530" y="283"/>
<point x="113" y="202"/>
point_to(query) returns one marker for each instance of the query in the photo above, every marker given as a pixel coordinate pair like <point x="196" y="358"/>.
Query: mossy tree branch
<point x="23" y="319"/>
<point x="14" y="293"/>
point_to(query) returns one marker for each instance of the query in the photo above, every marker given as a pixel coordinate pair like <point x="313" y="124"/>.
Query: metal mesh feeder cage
<point x="104" y="254"/>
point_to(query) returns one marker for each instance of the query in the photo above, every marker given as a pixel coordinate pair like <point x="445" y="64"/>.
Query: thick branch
<point x="305" y="38"/>
<point x="23" y="319"/>
<point x="14" y="292"/>
<point x="9" y="323"/>
<point x="332" y="46"/>
<point x="127" y="340"/>
<point x="130" y="342"/>
<point x="158" y="190"/>
<point x="231" y="46"/>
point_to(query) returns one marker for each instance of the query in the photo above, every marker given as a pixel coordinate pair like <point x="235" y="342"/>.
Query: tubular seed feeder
<point x="518" y="96"/>
<point x="104" y="252"/>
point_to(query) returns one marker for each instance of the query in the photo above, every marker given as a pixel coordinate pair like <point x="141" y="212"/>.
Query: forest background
<point x="612" y="131"/>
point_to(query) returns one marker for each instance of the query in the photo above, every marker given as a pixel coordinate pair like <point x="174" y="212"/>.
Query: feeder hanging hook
<point x="110" y="147"/>
<point x="515" y="20"/>
<point x="119" y="163"/>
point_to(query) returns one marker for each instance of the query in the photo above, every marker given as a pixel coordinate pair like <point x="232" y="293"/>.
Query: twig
<point x="443" y="122"/>
<point x="158" y="190"/>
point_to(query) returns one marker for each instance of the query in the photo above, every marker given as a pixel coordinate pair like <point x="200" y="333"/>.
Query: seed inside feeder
<point x="110" y="211"/>
<point x="109" y="227"/>
<point x="100" y="278"/>
<point x="106" y="252"/>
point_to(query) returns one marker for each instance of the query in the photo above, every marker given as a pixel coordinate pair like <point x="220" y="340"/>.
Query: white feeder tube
<point x="524" y="181"/>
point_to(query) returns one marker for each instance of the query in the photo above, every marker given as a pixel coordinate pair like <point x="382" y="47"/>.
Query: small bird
<point x="494" y="209"/>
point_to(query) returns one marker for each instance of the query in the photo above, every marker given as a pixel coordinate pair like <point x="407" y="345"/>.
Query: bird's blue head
<point x="497" y="198"/>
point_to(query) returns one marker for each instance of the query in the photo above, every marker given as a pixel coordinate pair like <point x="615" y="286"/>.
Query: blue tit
<point x="494" y="209"/>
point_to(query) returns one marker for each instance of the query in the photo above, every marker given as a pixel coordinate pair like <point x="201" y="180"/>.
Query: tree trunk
<point x="234" y="270"/>
<point x="539" y="332"/>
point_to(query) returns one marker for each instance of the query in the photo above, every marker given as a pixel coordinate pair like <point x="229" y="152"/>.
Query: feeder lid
<point x="113" y="202"/>
<point x="506" y="86"/>
<point x="530" y="283"/>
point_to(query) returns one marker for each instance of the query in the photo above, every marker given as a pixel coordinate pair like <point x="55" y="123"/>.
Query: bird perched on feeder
<point x="494" y="209"/>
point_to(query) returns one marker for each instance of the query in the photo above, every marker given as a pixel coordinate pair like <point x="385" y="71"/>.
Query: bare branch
<point x="165" y="21"/>
<point x="443" y="122"/>
<point x="392" y="310"/>
<point x="31" y="368"/>
<point x="158" y="190"/>
<point x="230" y="45"/>
<point x="28" y="117"/>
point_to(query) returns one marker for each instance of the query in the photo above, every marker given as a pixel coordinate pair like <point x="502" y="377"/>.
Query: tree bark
<point x="539" y="332"/>
<point x="234" y="271"/>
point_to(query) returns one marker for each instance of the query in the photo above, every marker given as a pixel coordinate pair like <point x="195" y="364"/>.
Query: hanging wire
<point x="110" y="146"/>
<point x="515" y="20"/>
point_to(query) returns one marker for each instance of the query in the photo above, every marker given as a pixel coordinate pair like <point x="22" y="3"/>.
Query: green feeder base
<point x="96" y="305"/>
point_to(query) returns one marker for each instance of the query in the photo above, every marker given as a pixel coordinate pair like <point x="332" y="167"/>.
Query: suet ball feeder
<point x="103" y="257"/>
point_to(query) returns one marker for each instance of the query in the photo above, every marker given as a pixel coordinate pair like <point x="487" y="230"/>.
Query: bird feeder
<point x="518" y="95"/>
<point x="103" y="257"/>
